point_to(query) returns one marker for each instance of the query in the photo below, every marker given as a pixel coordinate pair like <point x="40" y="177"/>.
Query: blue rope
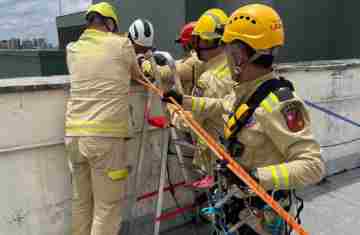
<point x="333" y="114"/>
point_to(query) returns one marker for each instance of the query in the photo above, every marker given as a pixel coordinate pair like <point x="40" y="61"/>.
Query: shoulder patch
<point x="293" y="116"/>
<point x="284" y="94"/>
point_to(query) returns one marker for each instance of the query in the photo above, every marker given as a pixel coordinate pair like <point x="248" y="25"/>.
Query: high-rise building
<point x="14" y="43"/>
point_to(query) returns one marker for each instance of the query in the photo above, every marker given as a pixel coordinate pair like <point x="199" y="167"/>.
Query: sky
<point x="35" y="18"/>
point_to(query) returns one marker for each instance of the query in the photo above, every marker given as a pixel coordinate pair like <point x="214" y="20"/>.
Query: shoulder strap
<point x="243" y="112"/>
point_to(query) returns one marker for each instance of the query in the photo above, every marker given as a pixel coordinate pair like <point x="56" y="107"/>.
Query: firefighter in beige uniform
<point x="101" y="65"/>
<point x="215" y="82"/>
<point x="275" y="144"/>
<point x="188" y="68"/>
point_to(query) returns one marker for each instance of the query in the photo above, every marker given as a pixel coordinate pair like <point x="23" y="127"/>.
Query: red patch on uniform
<point x="294" y="117"/>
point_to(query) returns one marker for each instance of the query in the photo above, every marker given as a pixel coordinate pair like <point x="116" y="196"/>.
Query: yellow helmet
<point x="257" y="25"/>
<point x="105" y="9"/>
<point x="211" y="24"/>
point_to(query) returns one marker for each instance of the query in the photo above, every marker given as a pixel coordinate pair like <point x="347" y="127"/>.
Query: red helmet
<point x="186" y="34"/>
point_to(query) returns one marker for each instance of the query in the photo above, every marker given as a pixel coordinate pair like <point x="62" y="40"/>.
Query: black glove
<point x="160" y="59"/>
<point x="172" y="93"/>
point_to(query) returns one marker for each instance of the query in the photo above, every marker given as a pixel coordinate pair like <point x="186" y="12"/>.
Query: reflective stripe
<point x="202" y="104"/>
<point x="231" y="122"/>
<point x="270" y="102"/>
<point x="285" y="175"/>
<point x="274" y="98"/>
<point x="227" y="133"/>
<point x="193" y="104"/>
<point x="198" y="104"/>
<point x="95" y="124"/>
<point x="265" y="104"/>
<point x="280" y="176"/>
<point x="275" y="177"/>
<point x="118" y="174"/>
<point x="241" y="110"/>
<point x="91" y="130"/>
<point x="222" y="71"/>
<point x="96" y="127"/>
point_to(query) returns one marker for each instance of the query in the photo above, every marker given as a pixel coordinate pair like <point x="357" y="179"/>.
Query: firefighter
<point x="188" y="68"/>
<point x="101" y="65"/>
<point x="268" y="128"/>
<point x="214" y="82"/>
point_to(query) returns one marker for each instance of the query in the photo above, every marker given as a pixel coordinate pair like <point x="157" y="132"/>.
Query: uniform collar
<point x="94" y="33"/>
<point x="244" y="90"/>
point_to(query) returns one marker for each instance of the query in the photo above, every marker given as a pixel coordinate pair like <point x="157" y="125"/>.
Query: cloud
<point x="71" y="6"/>
<point x="35" y="18"/>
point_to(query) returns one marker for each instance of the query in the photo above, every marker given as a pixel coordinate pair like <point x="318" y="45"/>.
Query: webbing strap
<point x="252" y="104"/>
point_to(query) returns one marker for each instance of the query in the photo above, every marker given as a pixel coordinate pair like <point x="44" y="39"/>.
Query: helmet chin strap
<point x="238" y="68"/>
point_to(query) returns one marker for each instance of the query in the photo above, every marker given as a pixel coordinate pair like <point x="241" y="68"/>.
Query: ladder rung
<point x="171" y="214"/>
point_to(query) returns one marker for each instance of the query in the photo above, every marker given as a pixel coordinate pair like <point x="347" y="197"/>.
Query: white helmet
<point x="141" y="32"/>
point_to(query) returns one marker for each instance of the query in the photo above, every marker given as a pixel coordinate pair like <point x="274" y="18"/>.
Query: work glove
<point x="172" y="93"/>
<point x="146" y="68"/>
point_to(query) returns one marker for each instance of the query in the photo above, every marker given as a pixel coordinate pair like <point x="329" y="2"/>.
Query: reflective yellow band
<point x="275" y="177"/>
<point x="265" y="104"/>
<point x="280" y="176"/>
<point x="274" y="98"/>
<point x="227" y="133"/>
<point x="231" y="122"/>
<point x="102" y="124"/>
<point x="223" y="72"/>
<point x="285" y="175"/>
<point x="202" y="104"/>
<point x="118" y="174"/>
<point x="241" y="110"/>
<point x="193" y="104"/>
<point x="270" y="102"/>
<point x="91" y="127"/>
<point x="92" y="130"/>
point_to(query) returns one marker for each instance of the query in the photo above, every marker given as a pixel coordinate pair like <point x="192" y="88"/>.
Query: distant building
<point x="27" y="44"/>
<point x="4" y="44"/>
<point x="15" y="43"/>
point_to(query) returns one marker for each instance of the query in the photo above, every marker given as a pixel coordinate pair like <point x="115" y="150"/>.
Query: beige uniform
<point x="97" y="126"/>
<point x="285" y="157"/>
<point x="215" y="82"/>
<point x="188" y="69"/>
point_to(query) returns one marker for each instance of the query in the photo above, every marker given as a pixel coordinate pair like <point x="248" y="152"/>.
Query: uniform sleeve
<point x="135" y="69"/>
<point x="288" y="127"/>
<point x="183" y="68"/>
<point x="207" y="107"/>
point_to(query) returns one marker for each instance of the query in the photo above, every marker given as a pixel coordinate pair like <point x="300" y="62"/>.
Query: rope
<point x="232" y="164"/>
<point x="333" y="114"/>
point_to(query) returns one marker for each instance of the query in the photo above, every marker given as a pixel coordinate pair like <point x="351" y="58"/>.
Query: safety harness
<point x="281" y="88"/>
